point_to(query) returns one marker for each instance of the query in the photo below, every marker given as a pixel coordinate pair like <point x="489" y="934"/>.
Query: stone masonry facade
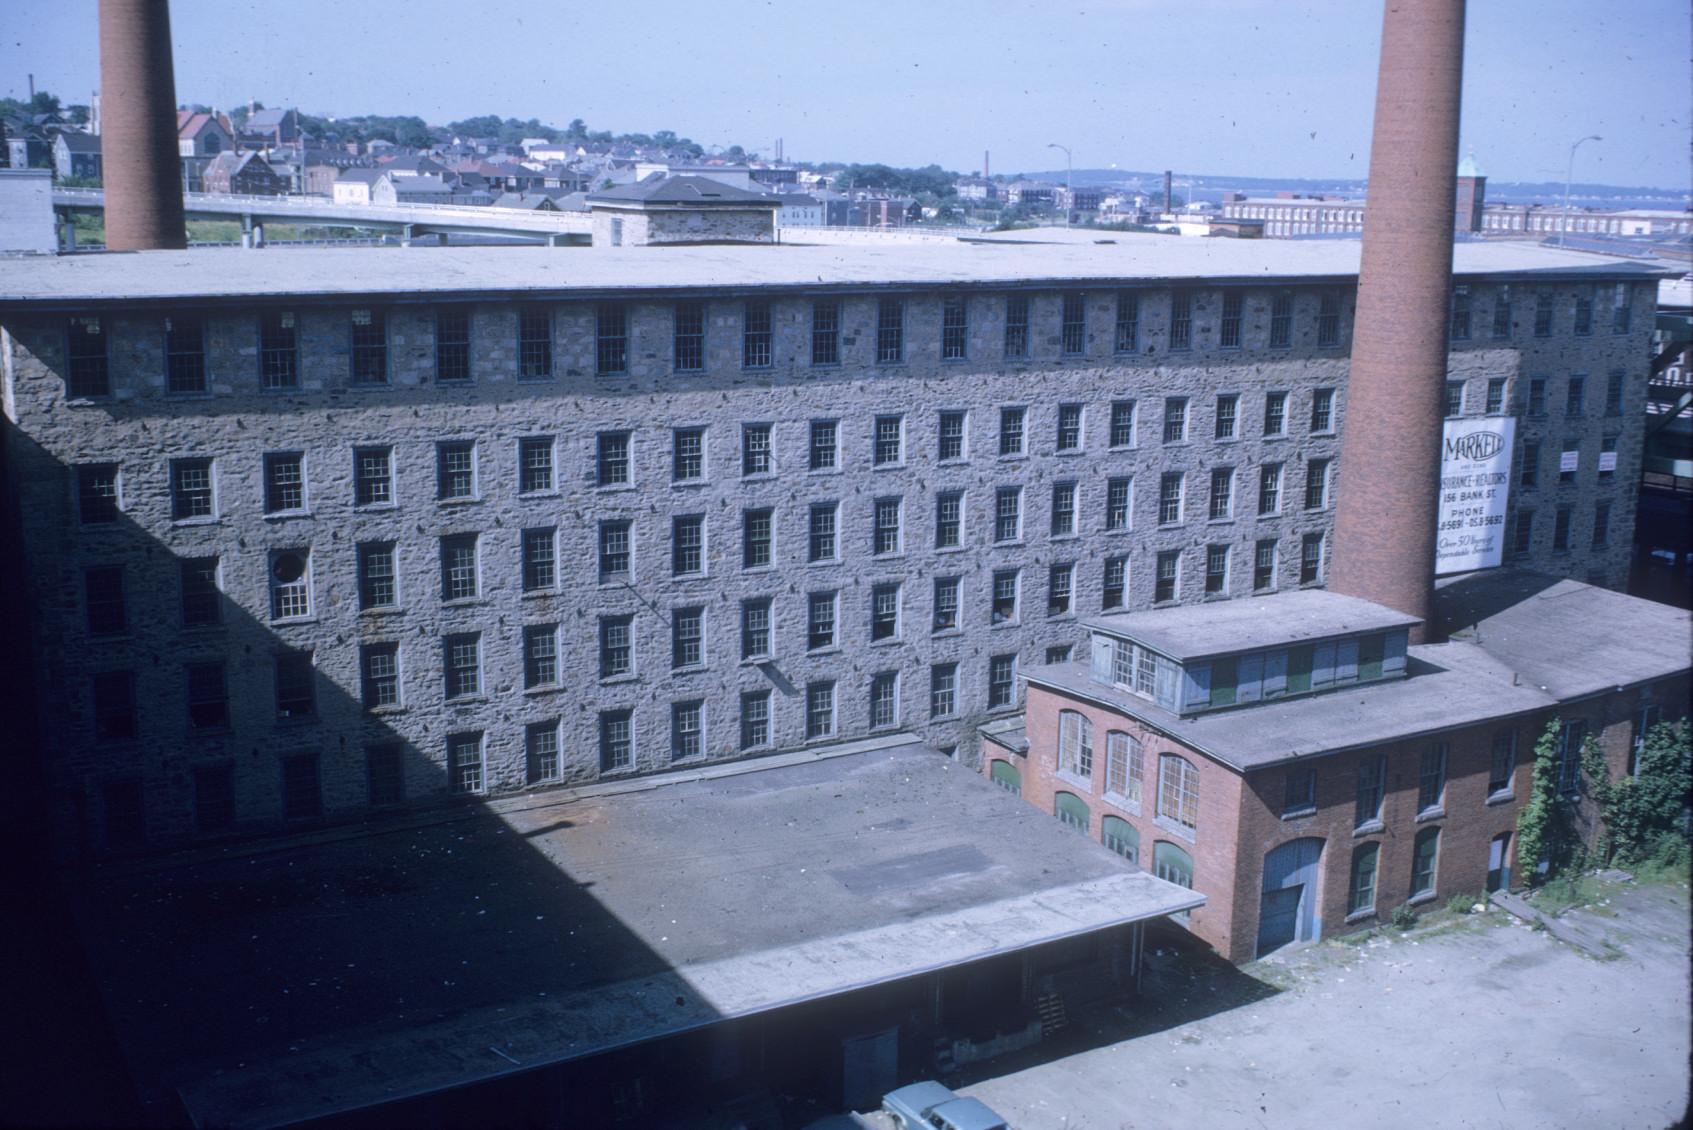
<point x="1067" y="456"/>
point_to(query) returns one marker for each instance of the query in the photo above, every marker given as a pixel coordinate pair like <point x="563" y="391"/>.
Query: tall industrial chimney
<point x="1388" y="497"/>
<point x="141" y="170"/>
<point x="1169" y="201"/>
<point x="985" y="173"/>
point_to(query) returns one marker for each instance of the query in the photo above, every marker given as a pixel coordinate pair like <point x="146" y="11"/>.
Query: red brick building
<point x="1293" y="759"/>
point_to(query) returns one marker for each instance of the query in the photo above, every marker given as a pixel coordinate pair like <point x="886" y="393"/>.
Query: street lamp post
<point x="1069" y="190"/>
<point x="1569" y="176"/>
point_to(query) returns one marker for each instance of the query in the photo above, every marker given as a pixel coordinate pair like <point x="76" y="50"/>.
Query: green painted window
<point x="1005" y="775"/>
<point x="1070" y="808"/>
<point x="1423" y="858"/>
<point x="1224" y="677"/>
<point x="1361" y="894"/>
<point x="1298" y="670"/>
<point x="1121" y="837"/>
<point x="1370" y="650"/>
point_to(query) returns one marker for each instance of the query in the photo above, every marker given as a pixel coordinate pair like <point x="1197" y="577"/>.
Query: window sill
<point x="1071" y="535"/>
<point x="831" y="562"/>
<point x="944" y="631"/>
<point x="1368" y="828"/>
<point x="823" y="471"/>
<point x="542" y="691"/>
<point x="1013" y="457"/>
<point x="621" y="677"/>
<point x="1181" y="831"/>
<point x="1360" y="916"/>
<point x="892" y="465"/>
<point x="1435" y="812"/>
<point x="1000" y="624"/>
<point x="1009" y="543"/>
<point x="285" y="515"/>
<point x="832" y="649"/>
<point x="537" y="594"/>
<point x="205" y="520"/>
<point x="1070" y="452"/>
<point x="384" y="711"/>
<point x="466" y="602"/>
<point x="291" y="621"/>
<point x="611" y="488"/>
<point x="1503" y="796"/>
<point x="1118" y="800"/>
<point x="690" y="484"/>
<point x="755" y="660"/>
<point x="1085" y="784"/>
<point x="1225" y="520"/>
<point x="458" y="501"/>
<point x="690" y="669"/>
<point x="887" y="641"/>
<point x="950" y="548"/>
<point x="467" y="700"/>
<point x="757" y="476"/>
<point x="1420" y="898"/>
<point x="531" y="494"/>
<point x="1299" y="813"/>
<point x="385" y="610"/>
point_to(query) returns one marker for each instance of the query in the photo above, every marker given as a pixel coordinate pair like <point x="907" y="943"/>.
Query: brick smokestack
<point x="142" y="173"/>
<point x="1168" y="199"/>
<point x="1384" y="536"/>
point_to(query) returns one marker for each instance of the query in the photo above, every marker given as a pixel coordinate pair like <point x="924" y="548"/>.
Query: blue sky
<point x="1251" y="87"/>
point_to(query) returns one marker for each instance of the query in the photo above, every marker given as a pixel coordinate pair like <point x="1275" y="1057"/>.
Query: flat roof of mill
<point x="415" y="273"/>
<point x="282" y="981"/>
<point x="1225" y="627"/>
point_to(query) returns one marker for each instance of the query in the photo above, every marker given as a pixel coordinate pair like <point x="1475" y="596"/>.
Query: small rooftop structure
<point x="681" y="209"/>
<point x="1199" y="631"/>
<point x="565" y="924"/>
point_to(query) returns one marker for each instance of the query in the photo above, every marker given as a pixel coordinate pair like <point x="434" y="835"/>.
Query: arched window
<point x="1423" y="857"/>
<point x="1123" y="766"/>
<point x="1361" y="892"/>
<point x="1071" y="809"/>
<point x="1178" y="791"/>
<point x="1121" y="837"/>
<point x="1075" y="744"/>
<point x="1173" y="865"/>
<point x="1005" y="775"/>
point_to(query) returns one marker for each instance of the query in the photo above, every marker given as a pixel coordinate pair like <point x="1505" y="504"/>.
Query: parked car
<point x="930" y="1106"/>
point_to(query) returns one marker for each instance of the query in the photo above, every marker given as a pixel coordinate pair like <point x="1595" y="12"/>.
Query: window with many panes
<point x="1166" y="583"/>
<point x="1116" y="583"/>
<point x="534" y="343"/>
<point x="380" y="675"/>
<point x="1583" y="324"/>
<point x="688" y="338"/>
<point x="202" y="601"/>
<point x="1069" y="434"/>
<point x="458" y="567"/>
<point x="1060" y="588"/>
<point x="1361" y="889"/>
<point x="368" y="335"/>
<point x="1372" y="781"/>
<point x="1011" y="430"/>
<point x="617" y="740"/>
<point x="1004" y="610"/>
<point x="687" y="545"/>
<point x="884" y="700"/>
<point x="755" y="335"/>
<point x="887" y="446"/>
<point x="1613" y="392"/>
<point x="1502" y="311"/>
<point x="943" y="690"/>
<point x="820" y="710"/>
<point x="1503" y="764"/>
<point x="617" y="646"/>
<point x="946" y="603"/>
<point x="1601" y="524"/>
<point x="1264" y="565"/>
<point x="955" y="329"/>
<point x="1425" y="852"/>
<point x="1431" y="778"/>
<point x="1063" y="509"/>
<point x="1178" y="792"/>
<point x="755" y="719"/>
<point x="687" y="730"/>
<point x="755" y="449"/>
<point x="822" y="533"/>
<point x="535" y="464"/>
<point x="1621" y="310"/>
<point x="687" y="637"/>
<point x="949" y="518"/>
<point x="290" y="584"/>
<point x="541" y="756"/>
<point x="1228" y="329"/>
<point x="1170" y="497"/>
<point x="1127" y="338"/>
<point x="1073" y="323"/>
<point x="455" y="470"/>
<point x="687" y="455"/>
<point x="1281" y="320"/>
<point x="378" y="583"/>
<point x="279" y="350"/>
<point x="1459" y="321"/>
<point x="755" y="628"/>
<point x="757" y="537"/>
<point x="1299" y="790"/>
<point x="1275" y="413"/>
<point x="1543" y="300"/>
<point x="1310" y="558"/>
<point x="1175" y="419"/>
<point x="951" y="436"/>
<point x="1522" y="538"/>
<point x="285" y="482"/>
<point x="611" y="340"/>
<point x="825" y="445"/>
<point x="614" y="549"/>
<point x="540" y="656"/>
<point x="890" y="331"/>
<point x="185" y="353"/>
<point x="1123" y="766"/>
<point x="1122" y="423"/>
<point x="1322" y="410"/>
<point x="97" y="492"/>
<point x="826" y="332"/>
<point x="191" y="489"/>
<point x="464" y="762"/>
<point x="886" y="535"/>
<point x="1216" y="569"/>
<point x="1495" y="405"/>
<point x="373" y="476"/>
<point x="1017" y="325"/>
<point x="295" y="695"/>
<point x="1002" y="681"/>
<point x="611" y="459"/>
<point x="1270" y="488"/>
<point x="1119" y="502"/>
<point x="820" y="620"/>
<point x="1227" y="417"/>
<point x="1328" y="319"/>
<point x="539" y="550"/>
<point x="208" y="696"/>
<point x="87" y="371"/>
<point x="1008" y="514"/>
<point x="1222" y="493"/>
<point x="1181" y="320"/>
<point x="452" y="345"/>
<point x="1075" y="744"/>
<point x="214" y="797"/>
<point x="1575" y="398"/>
<point x="1316" y="483"/>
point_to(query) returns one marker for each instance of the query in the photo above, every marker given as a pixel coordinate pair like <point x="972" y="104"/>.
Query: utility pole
<point x="1069" y="189"/>
<point x="1569" y="175"/>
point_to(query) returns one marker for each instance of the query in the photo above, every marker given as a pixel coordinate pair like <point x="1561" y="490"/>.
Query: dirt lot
<point x="1480" y="1022"/>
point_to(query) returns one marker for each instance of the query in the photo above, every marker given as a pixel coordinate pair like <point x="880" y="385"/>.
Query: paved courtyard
<point x="1480" y="1023"/>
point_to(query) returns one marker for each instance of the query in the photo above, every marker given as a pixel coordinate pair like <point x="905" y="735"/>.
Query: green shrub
<point x="1460" y="903"/>
<point x="1403" y="916"/>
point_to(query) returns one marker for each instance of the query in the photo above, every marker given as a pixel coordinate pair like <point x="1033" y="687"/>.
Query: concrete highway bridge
<point x="414" y="223"/>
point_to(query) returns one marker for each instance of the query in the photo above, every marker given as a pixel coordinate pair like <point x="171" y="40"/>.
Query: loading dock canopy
<point x="293" y="980"/>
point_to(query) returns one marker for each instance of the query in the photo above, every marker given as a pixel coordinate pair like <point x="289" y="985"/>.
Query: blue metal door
<point x="1287" y="911"/>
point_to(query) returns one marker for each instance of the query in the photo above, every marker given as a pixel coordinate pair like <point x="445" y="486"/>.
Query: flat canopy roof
<point x="1449" y="686"/>
<point x="534" y="272"/>
<point x="1570" y="639"/>
<point x="279" y="982"/>
<point x="1195" y="631"/>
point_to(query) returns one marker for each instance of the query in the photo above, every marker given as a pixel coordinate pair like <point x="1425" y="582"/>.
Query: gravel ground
<point x="1479" y="1022"/>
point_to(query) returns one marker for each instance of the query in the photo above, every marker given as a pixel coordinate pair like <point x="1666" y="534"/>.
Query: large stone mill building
<point x="317" y="531"/>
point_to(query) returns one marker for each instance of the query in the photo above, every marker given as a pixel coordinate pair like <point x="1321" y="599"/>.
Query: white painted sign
<point x="1475" y="486"/>
<point x="1607" y="461"/>
<point x="1570" y="460"/>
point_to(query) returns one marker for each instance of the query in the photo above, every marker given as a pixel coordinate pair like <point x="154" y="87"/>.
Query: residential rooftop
<point x="233" y="275"/>
<point x="1229" y="627"/>
<point x="276" y="982"/>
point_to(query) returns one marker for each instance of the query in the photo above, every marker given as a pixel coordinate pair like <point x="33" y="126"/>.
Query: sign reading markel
<point x="1475" y="488"/>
